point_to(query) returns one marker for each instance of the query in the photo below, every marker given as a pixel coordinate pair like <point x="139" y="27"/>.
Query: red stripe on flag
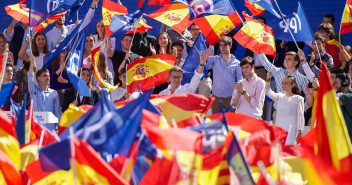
<point x="149" y="82"/>
<point x="254" y="45"/>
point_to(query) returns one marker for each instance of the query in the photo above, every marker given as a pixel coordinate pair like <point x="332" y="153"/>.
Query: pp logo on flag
<point x="53" y="4"/>
<point x="294" y="23"/>
<point x="201" y="6"/>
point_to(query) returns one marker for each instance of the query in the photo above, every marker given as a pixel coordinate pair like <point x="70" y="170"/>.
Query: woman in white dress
<point x="290" y="107"/>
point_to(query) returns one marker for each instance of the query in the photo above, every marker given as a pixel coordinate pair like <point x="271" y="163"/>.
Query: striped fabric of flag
<point x="18" y="11"/>
<point x="175" y="16"/>
<point x="149" y="72"/>
<point x="95" y="58"/>
<point x="48" y="21"/>
<point x="254" y="8"/>
<point x="256" y="36"/>
<point x="109" y="9"/>
<point x="346" y="22"/>
<point x="141" y="26"/>
<point x="215" y="26"/>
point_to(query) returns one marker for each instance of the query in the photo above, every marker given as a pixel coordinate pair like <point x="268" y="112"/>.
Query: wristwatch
<point x="243" y="92"/>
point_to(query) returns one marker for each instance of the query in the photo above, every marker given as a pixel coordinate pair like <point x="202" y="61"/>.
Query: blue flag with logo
<point x="297" y="23"/>
<point x="200" y="8"/>
<point x="63" y="46"/>
<point x="75" y="62"/>
<point x="43" y="9"/>
<point x="193" y="59"/>
<point x="6" y="92"/>
<point x="20" y="115"/>
<point x="267" y="5"/>
<point x="121" y="24"/>
<point x="116" y="131"/>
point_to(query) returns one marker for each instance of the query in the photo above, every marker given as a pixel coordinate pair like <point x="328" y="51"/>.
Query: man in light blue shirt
<point x="226" y="71"/>
<point x="44" y="98"/>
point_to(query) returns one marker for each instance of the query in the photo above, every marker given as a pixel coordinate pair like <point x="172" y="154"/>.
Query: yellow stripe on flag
<point x="173" y="17"/>
<point x="10" y="146"/>
<point x="257" y="32"/>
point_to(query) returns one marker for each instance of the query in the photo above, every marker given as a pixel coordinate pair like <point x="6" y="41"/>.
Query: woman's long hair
<point x="35" y="49"/>
<point x="96" y="31"/>
<point x="169" y="43"/>
<point x="3" y="37"/>
<point x="89" y="83"/>
<point x="102" y="67"/>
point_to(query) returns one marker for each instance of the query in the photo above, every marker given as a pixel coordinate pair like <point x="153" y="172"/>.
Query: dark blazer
<point x="16" y="42"/>
<point x="70" y="95"/>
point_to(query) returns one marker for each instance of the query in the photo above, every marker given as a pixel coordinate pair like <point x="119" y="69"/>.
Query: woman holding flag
<point x="39" y="49"/>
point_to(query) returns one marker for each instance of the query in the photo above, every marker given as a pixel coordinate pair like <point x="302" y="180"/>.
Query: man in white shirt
<point x="248" y="95"/>
<point x="60" y="31"/>
<point x="175" y="77"/>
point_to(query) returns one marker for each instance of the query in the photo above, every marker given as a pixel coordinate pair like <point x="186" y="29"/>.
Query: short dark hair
<point x="247" y="60"/>
<point x="8" y="64"/>
<point x="226" y="39"/>
<point x="193" y="24"/>
<point x="295" y="89"/>
<point x="336" y="70"/>
<point x="330" y="16"/>
<point x="126" y="35"/>
<point x="40" y="71"/>
<point x="262" y="18"/>
<point x="345" y="78"/>
<point x="177" y="43"/>
<point x="122" y="71"/>
<point x="320" y="37"/>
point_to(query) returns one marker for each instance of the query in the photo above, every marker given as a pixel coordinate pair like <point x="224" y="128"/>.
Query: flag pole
<point x="343" y="12"/>
<point x="73" y="156"/>
<point x="286" y="24"/>
<point x="30" y="122"/>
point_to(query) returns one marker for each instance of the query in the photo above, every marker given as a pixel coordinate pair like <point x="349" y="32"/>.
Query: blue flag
<point x="20" y="115"/>
<point x="42" y="9"/>
<point x="116" y="131"/>
<point x="6" y="92"/>
<point x="64" y="46"/>
<point x="297" y="23"/>
<point x="75" y="62"/>
<point x="193" y="59"/>
<point x="267" y="5"/>
<point x="202" y="8"/>
<point x="238" y="164"/>
<point x="94" y="115"/>
<point x="121" y="24"/>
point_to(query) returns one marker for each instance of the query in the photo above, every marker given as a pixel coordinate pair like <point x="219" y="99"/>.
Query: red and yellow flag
<point x="141" y="26"/>
<point x="3" y="61"/>
<point x="48" y="21"/>
<point x="95" y="58"/>
<point x="109" y="9"/>
<point x="333" y="141"/>
<point x="346" y="22"/>
<point x="154" y="2"/>
<point x="333" y="49"/>
<point x="256" y="36"/>
<point x="149" y="72"/>
<point x="9" y="173"/>
<point x="71" y="114"/>
<point x="175" y="16"/>
<point x="254" y="8"/>
<point x="18" y="11"/>
<point x="215" y="26"/>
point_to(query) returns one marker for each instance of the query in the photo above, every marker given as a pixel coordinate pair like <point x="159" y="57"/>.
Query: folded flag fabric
<point x="9" y="173"/>
<point x="18" y="11"/>
<point x="256" y="36"/>
<point x="346" y="22"/>
<point x="175" y="16"/>
<point x="48" y="21"/>
<point x="149" y="72"/>
<point x="110" y="8"/>
<point x="254" y="8"/>
<point x="70" y="115"/>
<point x="140" y="27"/>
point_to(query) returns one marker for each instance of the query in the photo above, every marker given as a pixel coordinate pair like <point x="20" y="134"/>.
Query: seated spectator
<point x="121" y="94"/>
<point x="44" y="98"/>
<point x="39" y="50"/>
<point x="71" y="95"/>
<point x="104" y="74"/>
<point x="59" y="80"/>
<point x="175" y="77"/>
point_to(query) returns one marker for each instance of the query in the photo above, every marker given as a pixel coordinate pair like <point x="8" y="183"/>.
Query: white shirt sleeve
<point x="309" y="73"/>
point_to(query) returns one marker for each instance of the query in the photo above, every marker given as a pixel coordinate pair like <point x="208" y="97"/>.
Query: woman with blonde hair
<point x="4" y="49"/>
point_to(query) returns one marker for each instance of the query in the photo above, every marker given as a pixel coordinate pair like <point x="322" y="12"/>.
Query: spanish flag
<point x="18" y="11"/>
<point x="95" y="58"/>
<point x="109" y="9"/>
<point x="9" y="173"/>
<point x="175" y="16"/>
<point x="256" y="36"/>
<point x="3" y="61"/>
<point x="149" y="72"/>
<point x="215" y="26"/>
<point x="71" y="114"/>
<point x="333" y="141"/>
<point x="154" y="2"/>
<point x="48" y="21"/>
<point x="141" y="26"/>
<point x="254" y="8"/>
<point x="346" y="22"/>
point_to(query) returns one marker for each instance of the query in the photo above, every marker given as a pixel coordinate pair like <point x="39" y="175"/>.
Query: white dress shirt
<point x="188" y="87"/>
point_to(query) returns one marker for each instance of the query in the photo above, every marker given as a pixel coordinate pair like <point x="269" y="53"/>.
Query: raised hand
<point x="152" y="49"/>
<point x="204" y="55"/>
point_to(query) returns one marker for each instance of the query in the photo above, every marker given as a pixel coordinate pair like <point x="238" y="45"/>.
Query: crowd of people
<point x="239" y="85"/>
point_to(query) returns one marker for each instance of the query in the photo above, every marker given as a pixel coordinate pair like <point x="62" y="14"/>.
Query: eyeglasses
<point x="195" y="29"/>
<point x="176" y="77"/>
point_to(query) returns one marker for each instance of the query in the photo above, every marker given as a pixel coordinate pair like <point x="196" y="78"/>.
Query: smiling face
<point x="163" y="40"/>
<point x="44" y="78"/>
<point x="8" y="74"/>
<point x="40" y="41"/>
<point x="89" y="43"/>
<point x="100" y="28"/>
<point x="290" y="62"/>
<point x="247" y="70"/>
<point x="320" y="46"/>
<point x="61" y="20"/>
<point x="286" y="84"/>
<point x="224" y="48"/>
<point x="126" y="42"/>
<point x="175" y="79"/>
<point x="2" y="44"/>
<point x="194" y="31"/>
<point x="85" y="76"/>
